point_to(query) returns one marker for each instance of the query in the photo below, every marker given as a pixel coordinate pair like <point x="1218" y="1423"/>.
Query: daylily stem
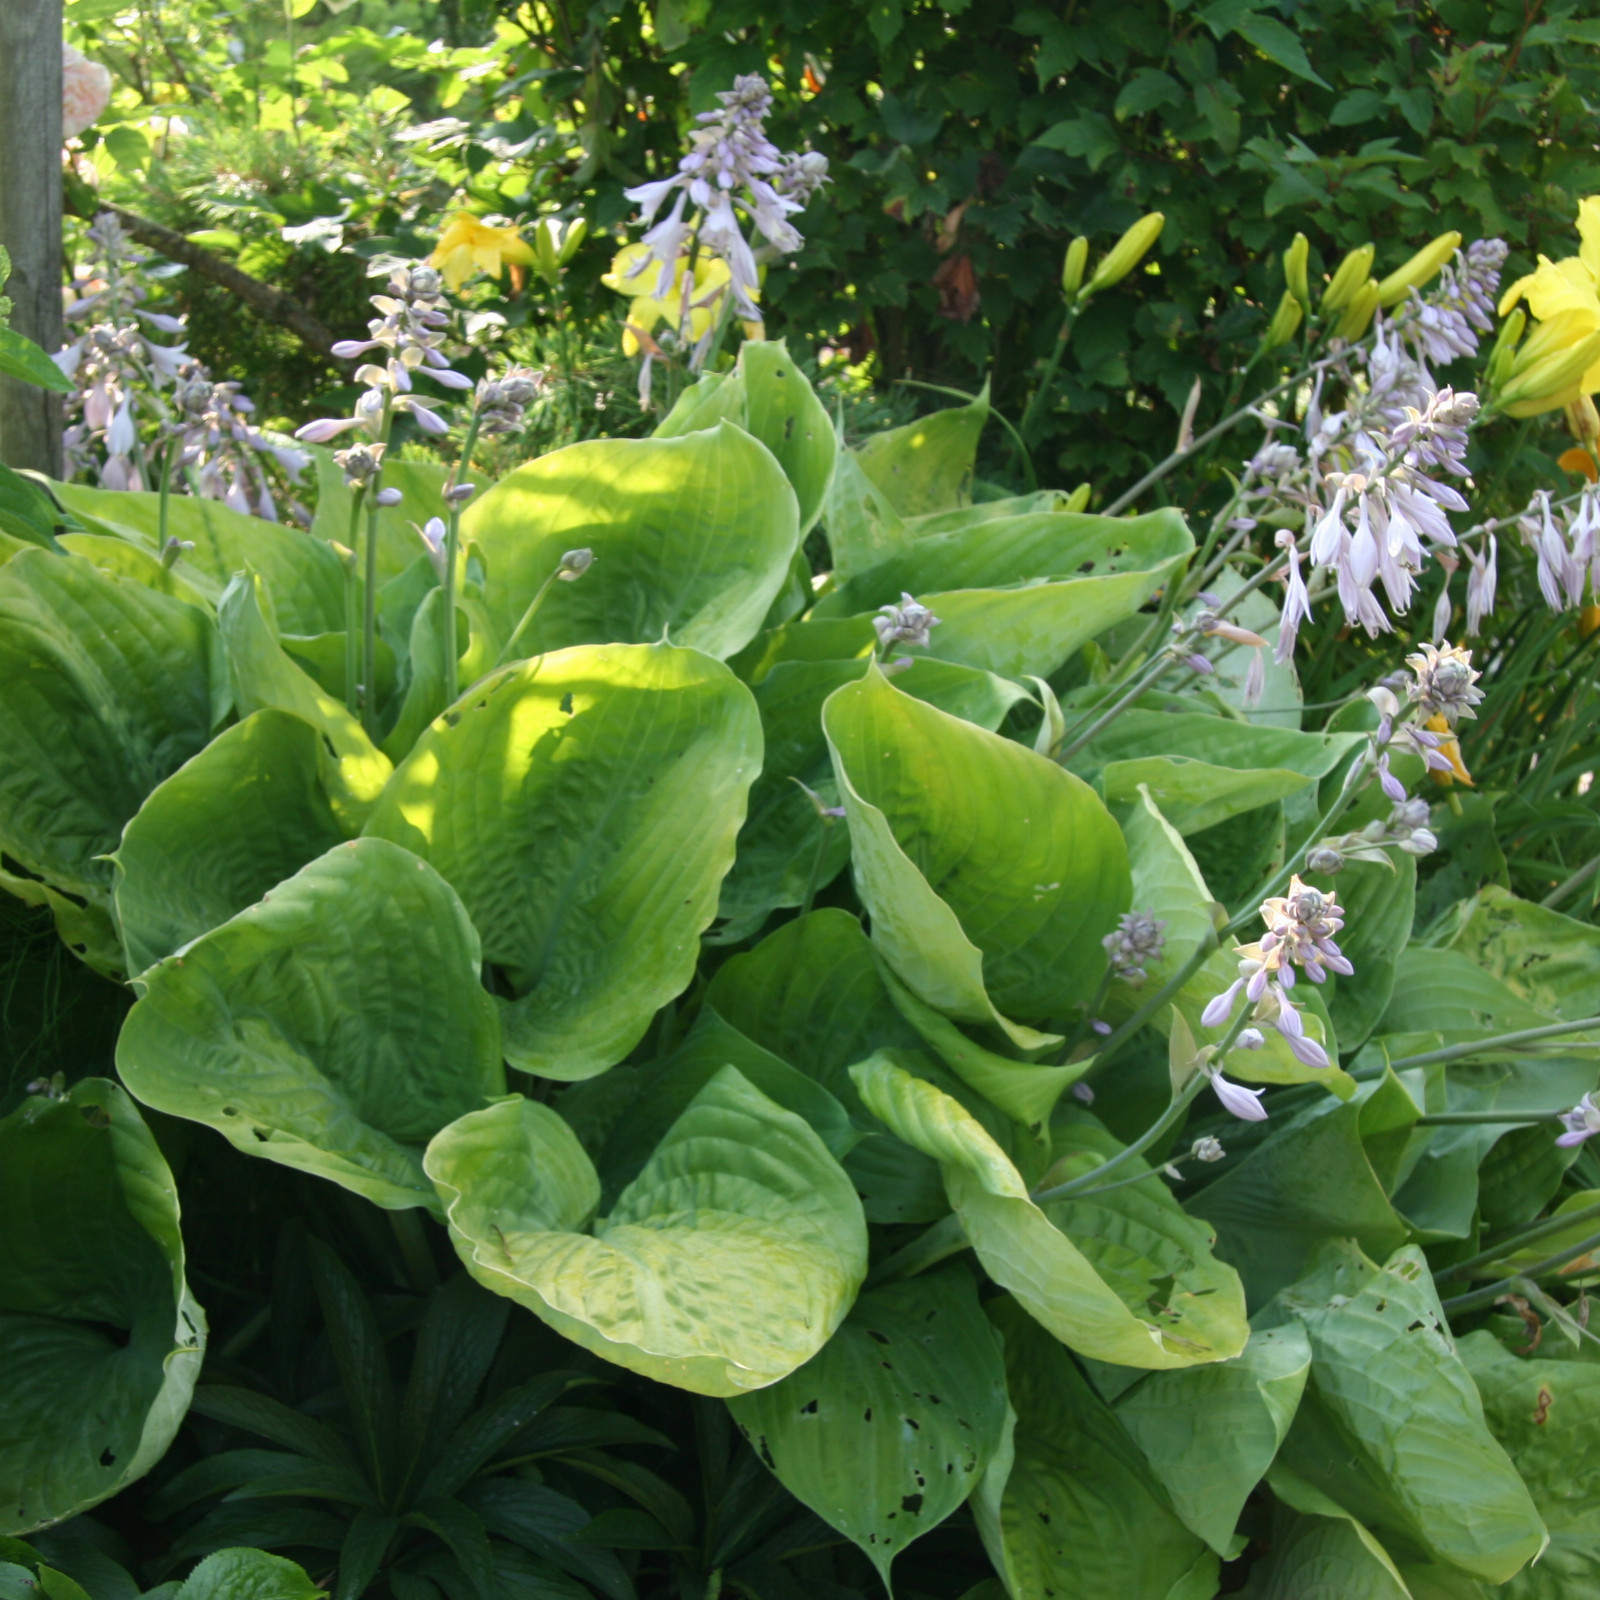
<point x="1516" y="1240"/>
<point x="1048" y="377"/>
<point x="1499" y="1041"/>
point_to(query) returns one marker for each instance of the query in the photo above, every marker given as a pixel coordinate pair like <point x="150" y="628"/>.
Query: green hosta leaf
<point x="584" y="805"/>
<point x="927" y="465"/>
<point x="1548" y="960"/>
<point x="1210" y="1433"/>
<point x="891" y="1425"/>
<point x="247" y="1575"/>
<point x="811" y="994"/>
<point x="727" y="1263"/>
<point x="333" y="1027"/>
<point x="1378" y="900"/>
<point x="265" y="678"/>
<point x="23" y="360"/>
<point x="672" y="1084"/>
<point x="100" y="1339"/>
<point x="1167" y="884"/>
<point x="244" y="814"/>
<point x="991" y="553"/>
<point x="1194" y="795"/>
<point x="1075" y="1510"/>
<point x="778" y="855"/>
<point x="768" y="396"/>
<point x="1025" y="1252"/>
<point x="863" y="527"/>
<point x="1320" y="1175"/>
<point x="85" y="926"/>
<point x="1315" y="1556"/>
<point x="692" y="539"/>
<point x="425" y="696"/>
<point x="1392" y="1427"/>
<point x="27" y="513"/>
<point x="421" y="485"/>
<point x="108" y="689"/>
<point x="302" y="573"/>
<point x="1546" y="1414"/>
<point x="1448" y="993"/>
<point x="118" y="556"/>
<point x="990" y="874"/>
<point x="958" y="518"/>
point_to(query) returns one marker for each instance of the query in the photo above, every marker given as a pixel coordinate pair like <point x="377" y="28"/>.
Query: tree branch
<point x="271" y="305"/>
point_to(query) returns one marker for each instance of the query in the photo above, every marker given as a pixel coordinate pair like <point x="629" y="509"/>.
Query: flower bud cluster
<point x="502" y="402"/>
<point x="1136" y="943"/>
<point x="910" y="622"/>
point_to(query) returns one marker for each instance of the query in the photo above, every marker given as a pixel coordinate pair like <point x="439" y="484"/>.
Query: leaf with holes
<point x="727" y="1263"/>
<point x="584" y="805"/>
<point x="891" y="1425"/>
<point x="100" y="1339"/>
<point x="334" y="1026"/>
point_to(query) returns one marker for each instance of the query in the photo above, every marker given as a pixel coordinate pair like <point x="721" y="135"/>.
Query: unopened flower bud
<point x="388" y="497"/>
<point x="1583" y="419"/>
<point x="1420" y="269"/>
<point x="1072" y="268"/>
<point x="1207" y="1149"/>
<point x="1294" y="270"/>
<point x="574" y="564"/>
<point x="1285" y="322"/>
<point x="173" y="550"/>
<point x="1250" y="1039"/>
<point x="1358" y="314"/>
<point x="459" y="493"/>
<point x="1324" y="859"/>
<point x="1353" y="271"/>
<point x="1127" y="252"/>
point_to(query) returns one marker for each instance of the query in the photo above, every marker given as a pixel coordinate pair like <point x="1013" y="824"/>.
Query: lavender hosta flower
<point x="1408" y="827"/>
<point x="502" y="402"/>
<point x="1296" y="599"/>
<point x="1444" y="683"/>
<point x="360" y="464"/>
<point x="1482" y="580"/>
<point x="1136" y="943"/>
<point x="433" y="534"/>
<point x="1324" y="859"/>
<point x="910" y="622"/>
<point x="1242" y="1102"/>
<point x="1445" y="323"/>
<point x="1581" y="1122"/>
<point x="1567" y="555"/>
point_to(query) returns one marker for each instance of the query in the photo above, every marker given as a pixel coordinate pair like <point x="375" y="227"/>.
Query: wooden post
<point x="30" y="218"/>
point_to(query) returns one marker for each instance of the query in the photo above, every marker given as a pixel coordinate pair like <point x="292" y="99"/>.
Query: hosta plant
<point x="865" y="978"/>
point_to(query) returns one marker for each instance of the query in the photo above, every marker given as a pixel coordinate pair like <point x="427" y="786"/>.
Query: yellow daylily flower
<point x="1450" y="749"/>
<point x="633" y="269"/>
<point x="1565" y="298"/>
<point x="467" y="246"/>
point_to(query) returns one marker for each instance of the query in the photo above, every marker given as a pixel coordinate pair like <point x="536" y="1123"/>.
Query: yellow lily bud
<point x="1353" y="271"/>
<point x="1583" y="420"/>
<point x="577" y="232"/>
<point x="1357" y="316"/>
<point x="1423" y="266"/>
<point x="1548" y="381"/>
<point x="1078" y="500"/>
<point x="1127" y="252"/>
<point x="1072" y="267"/>
<point x="544" y="250"/>
<point x="1505" y="349"/>
<point x="1294" y="270"/>
<point x="1285" y="322"/>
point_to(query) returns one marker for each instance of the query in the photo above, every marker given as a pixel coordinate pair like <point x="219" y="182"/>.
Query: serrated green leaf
<point x="584" y="805"/>
<point x="724" y="1265"/>
<point x="109" y="689"/>
<point x="89" y="1238"/>
<point x="990" y="874"/>
<point x="692" y="540"/>
<point x="890" y="1426"/>
<point x="248" y="1575"/>
<point x="334" y="1026"/>
<point x="1075" y="1509"/>
<point x="1024" y="1251"/>
<point x="1210" y="1433"/>
<point x="245" y="813"/>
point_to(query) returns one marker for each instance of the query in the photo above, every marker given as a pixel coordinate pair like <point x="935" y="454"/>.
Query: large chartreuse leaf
<point x="727" y="1263"/>
<point x="1546" y="1414"/>
<point x="927" y="465"/>
<point x="1023" y="1250"/>
<point x="335" y="1026"/>
<point x="990" y="874"/>
<point x="1167" y="885"/>
<point x="303" y="573"/>
<point x="584" y="805"/>
<point x="768" y="396"/>
<point x="692" y="540"/>
<point x="1326" y="1172"/>
<point x="1392" y="1427"/>
<point x="1544" y="958"/>
<point x="892" y="1424"/>
<point x="863" y="528"/>
<point x="100" y="1340"/>
<point x="1075" y="1510"/>
<point x="785" y="845"/>
<point x="1210" y="1433"/>
<point x="421" y="485"/>
<point x="244" y="814"/>
<point x="108" y="688"/>
<point x="264" y="677"/>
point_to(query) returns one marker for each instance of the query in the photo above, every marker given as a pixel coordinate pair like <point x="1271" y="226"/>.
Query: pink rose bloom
<point x="85" y="91"/>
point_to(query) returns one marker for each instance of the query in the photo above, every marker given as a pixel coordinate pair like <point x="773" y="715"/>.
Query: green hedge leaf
<point x="334" y="1027"/>
<point x="1024" y="1251"/>
<point x="892" y="1424"/>
<point x="248" y="1575"/>
<point x="990" y="874"/>
<point x="244" y="814"/>
<point x="584" y="805"/>
<point x="692" y="539"/>
<point x="727" y="1263"/>
<point x="89" y="1242"/>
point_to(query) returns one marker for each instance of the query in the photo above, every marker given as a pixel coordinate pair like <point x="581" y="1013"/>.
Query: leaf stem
<point x="1499" y="1041"/>
<point x="1452" y="1119"/>
<point x="1476" y="1299"/>
<point x="352" y="604"/>
<point x="1517" y="1238"/>
<point x="1047" y="378"/>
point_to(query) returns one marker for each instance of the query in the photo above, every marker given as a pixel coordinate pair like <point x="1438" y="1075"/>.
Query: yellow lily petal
<point x="1589" y="233"/>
